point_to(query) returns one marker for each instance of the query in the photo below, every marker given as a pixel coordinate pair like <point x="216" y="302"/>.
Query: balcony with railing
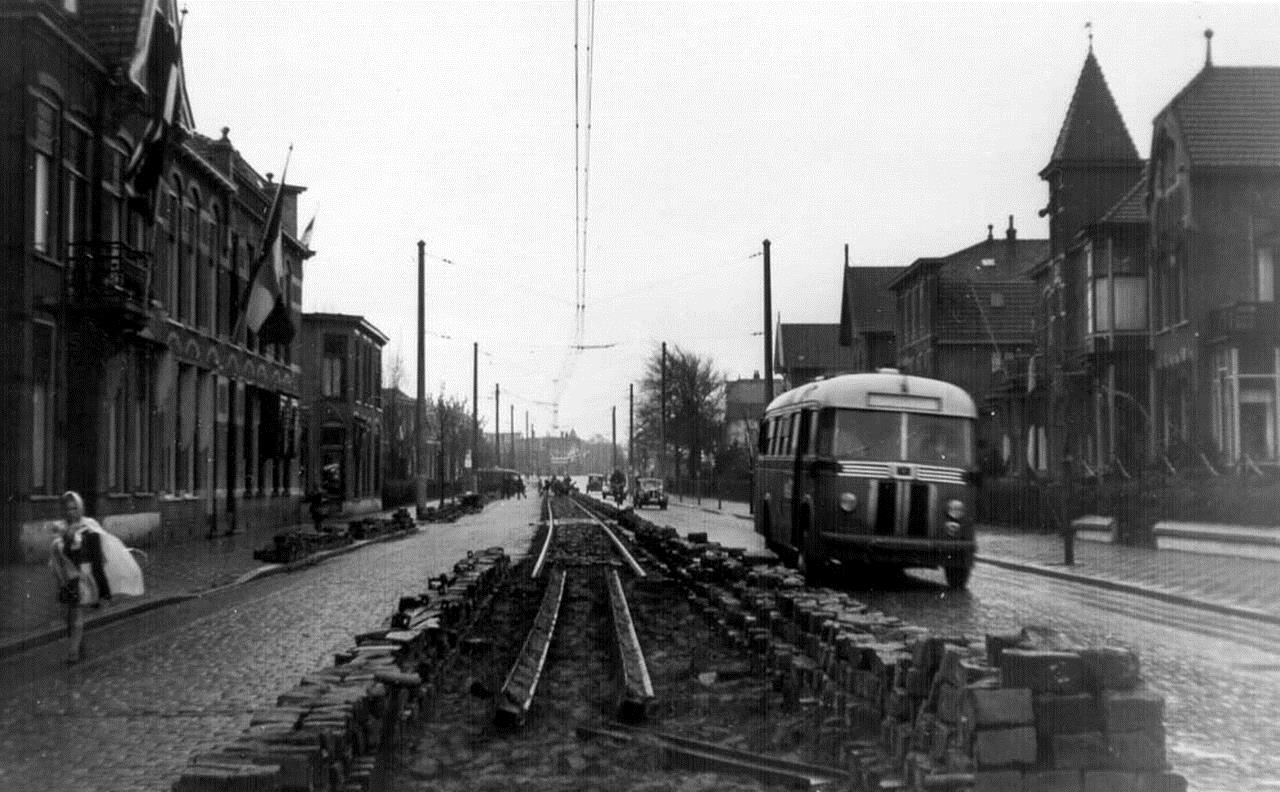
<point x="1245" y="320"/>
<point x="110" y="283"/>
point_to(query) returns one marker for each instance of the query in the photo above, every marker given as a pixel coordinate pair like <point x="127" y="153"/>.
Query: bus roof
<point x="882" y="390"/>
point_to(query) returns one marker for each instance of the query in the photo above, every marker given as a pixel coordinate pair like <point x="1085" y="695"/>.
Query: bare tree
<point x="694" y="407"/>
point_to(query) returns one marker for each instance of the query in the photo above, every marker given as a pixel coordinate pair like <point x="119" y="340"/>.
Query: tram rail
<point x="570" y="558"/>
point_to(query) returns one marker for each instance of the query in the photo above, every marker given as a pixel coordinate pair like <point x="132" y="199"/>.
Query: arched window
<point x="171" y="214"/>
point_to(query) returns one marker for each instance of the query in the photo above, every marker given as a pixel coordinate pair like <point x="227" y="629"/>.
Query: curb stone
<point x="39" y="638"/>
<point x="1129" y="588"/>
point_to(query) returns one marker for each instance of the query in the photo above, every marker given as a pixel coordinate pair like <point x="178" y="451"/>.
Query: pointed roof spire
<point x="1208" y="47"/>
<point x="1088" y="26"/>
<point x="1093" y="130"/>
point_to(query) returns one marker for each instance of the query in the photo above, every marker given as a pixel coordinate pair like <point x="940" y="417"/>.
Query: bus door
<point x="799" y="483"/>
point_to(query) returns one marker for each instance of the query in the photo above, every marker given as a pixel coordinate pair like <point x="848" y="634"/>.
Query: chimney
<point x="846" y="254"/>
<point x="990" y="232"/>
<point x="1012" y="233"/>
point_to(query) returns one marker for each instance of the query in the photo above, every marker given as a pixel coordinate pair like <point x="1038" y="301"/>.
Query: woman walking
<point x="90" y="566"/>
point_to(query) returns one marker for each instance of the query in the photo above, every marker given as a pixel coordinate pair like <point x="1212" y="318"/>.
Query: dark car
<point x="649" y="490"/>
<point x="595" y="483"/>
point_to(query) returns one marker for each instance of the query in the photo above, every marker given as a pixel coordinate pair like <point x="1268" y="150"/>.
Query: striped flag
<point x="156" y="68"/>
<point x="266" y="311"/>
<point x="306" y="233"/>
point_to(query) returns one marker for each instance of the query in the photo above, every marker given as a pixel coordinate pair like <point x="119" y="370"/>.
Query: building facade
<point x="1213" y="192"/>
<point x="342" y="405"/>
<point x="968" y="318"/>
<point x="804" y="352"/>
<point x="867" y="319"/>
<point x="1091" y="370"/>
<point x="129" y="373"/>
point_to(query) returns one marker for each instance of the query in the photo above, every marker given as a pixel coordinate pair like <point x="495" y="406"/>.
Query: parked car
<point x="649" y="490"/>
<point x="595" y="483"/>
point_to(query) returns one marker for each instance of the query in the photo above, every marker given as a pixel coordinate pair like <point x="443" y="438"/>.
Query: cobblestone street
<point x="182" y="680"/>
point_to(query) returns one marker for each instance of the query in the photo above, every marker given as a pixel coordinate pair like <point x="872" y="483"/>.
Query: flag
<point x="156" y="69"/>
<point x="306" y="233"/>
<point x="267" y="313"/>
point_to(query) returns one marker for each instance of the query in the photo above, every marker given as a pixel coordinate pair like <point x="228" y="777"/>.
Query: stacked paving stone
<point x="328" y="732"/>
<point x="289" y="546"/>
<point x="902" y="708"/>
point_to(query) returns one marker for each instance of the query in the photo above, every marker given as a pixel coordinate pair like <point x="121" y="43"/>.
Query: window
<point x="113" y="195"/>
<point x="1266" y="275"/>
<point x="42" y="389"/>
<point x="333" y="367"/>
<point x="1131" y="304"/>
<point x="44" y="142"/>
<point x="997" y="300"/>
<point x="75" y="160"/>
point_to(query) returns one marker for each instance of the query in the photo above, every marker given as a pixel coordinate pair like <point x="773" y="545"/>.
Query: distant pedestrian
<point x="90" y="566"/>
<point x="315" y="503"/>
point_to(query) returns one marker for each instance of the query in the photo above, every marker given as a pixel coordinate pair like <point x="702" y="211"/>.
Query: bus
<point x="869" y="469"/>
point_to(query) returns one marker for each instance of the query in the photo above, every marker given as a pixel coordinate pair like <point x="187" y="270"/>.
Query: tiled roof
<point x="1229" y="116"/>
<point x="1132" y="206"/>
<point x="1093" y="130"/>
<point x="867" y="304"/>
<point x="971" y="310"/>
<point x="992" y="259"/>
<point x="812" y="346"/>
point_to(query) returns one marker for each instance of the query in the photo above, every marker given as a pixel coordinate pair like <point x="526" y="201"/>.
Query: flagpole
<point x="262" y="253"/>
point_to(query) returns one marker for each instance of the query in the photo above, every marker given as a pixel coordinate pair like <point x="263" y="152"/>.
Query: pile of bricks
<point x="901" y="708"/>
<point x="329" y="732"/>
<point x="295" y="545"/>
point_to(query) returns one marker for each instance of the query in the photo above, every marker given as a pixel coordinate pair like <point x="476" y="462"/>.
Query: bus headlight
<point x="848" y="502"/>
<point x="955" y="509"/>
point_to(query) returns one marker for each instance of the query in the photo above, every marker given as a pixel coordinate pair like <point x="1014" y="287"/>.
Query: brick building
<point x="342" y="408"/>
<point x="1213" y="192"/>
<point x="1091" y="371"/>
<point x="968" y="318"/>
<point x="803" y="352"/>
<point x="129" y="374"/>
<point x="867" y="320"/>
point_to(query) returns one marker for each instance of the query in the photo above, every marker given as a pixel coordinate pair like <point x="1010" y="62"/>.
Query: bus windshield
<point x="878" y="434"/>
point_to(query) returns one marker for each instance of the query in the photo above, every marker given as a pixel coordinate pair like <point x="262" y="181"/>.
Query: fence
<point x="1137" y="503"/>
<point x="710" y="489"/>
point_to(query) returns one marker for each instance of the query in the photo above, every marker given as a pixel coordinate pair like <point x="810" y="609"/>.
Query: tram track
<point x="580" y="559"/>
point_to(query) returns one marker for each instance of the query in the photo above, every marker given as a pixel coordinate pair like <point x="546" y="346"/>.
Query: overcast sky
<point x="902" y="129"/>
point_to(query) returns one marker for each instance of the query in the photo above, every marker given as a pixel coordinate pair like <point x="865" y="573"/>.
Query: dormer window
<point x="71" y="6"/>
<point x="988" y="262"/>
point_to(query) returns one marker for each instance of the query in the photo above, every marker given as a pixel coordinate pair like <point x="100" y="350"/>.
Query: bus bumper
<point x="899" y="551"/>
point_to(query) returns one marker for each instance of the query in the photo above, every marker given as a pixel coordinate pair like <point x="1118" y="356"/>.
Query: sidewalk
<point x="30" y="615"/>
<point x="1243" y="587"/>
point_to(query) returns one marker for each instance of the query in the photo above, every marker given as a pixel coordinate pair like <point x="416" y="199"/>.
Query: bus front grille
<point x="886" y="508"/>
<point x="901" y="508"/>
<point x="918" y="517"/>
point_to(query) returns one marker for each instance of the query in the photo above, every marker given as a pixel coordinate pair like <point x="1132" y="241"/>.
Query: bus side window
<point x="804" y="432"/>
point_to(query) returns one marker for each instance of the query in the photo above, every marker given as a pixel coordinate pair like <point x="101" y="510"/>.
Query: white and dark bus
<point x="869" y="469"/>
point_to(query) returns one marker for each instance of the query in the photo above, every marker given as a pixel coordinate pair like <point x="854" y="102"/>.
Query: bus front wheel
<point x="957" y="576"/>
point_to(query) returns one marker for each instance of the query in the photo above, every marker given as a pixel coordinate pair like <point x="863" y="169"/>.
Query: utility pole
<point x="420" y="416"/>
<point x="497" y="427"/>
<point x="475" y="415"/>
<point x="613" y="419"/>
<point x="662" y="417"/>
<point x="768" y="328"/>
<point x="511" y="424"/>
<point x="527" y="462"/>
<point x="631" y="426"/>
